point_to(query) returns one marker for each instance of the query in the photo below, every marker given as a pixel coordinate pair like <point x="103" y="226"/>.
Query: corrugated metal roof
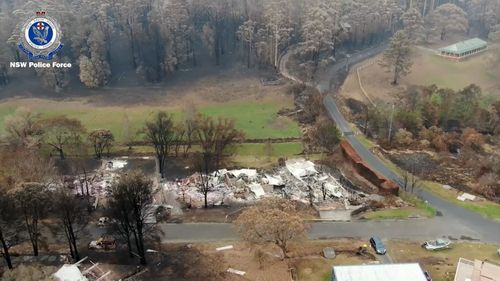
<point x="477" y="270"/>
<point x="465" y="46"/>
<point x="379" y="272"/>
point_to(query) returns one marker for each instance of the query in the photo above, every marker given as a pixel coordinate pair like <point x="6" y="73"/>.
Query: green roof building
<point x="463" y="49"/>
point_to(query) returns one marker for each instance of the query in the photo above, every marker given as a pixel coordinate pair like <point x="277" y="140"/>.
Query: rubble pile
<point x="98" y="182"/>
<point x="298" y="179"/>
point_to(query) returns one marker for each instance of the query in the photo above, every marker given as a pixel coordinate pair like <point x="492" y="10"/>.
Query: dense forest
<point x="155" y="38"/>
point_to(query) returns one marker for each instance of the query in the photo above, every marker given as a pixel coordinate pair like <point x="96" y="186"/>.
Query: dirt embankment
<point x="385" y="185"/>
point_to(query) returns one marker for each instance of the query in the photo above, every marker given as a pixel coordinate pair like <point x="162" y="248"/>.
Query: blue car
<point x="378" y="246"/>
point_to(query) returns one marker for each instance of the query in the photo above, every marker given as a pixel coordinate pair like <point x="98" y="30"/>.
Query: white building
<point x="379" y="272"/>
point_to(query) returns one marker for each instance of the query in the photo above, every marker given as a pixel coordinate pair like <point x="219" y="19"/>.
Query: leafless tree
<point x="131" y="199"/>
<point x="71" y="213"/>
<point x="160" y="132"/>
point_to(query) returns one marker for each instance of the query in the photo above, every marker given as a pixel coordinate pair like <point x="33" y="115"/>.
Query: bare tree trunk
<point x="248" y="53"/>
<point x="73" y="242"/>
<point x="139" y="245"/>
<point x="141" y="251"/>
<point x="33" y="234"/>
<point x="276" y="47"/>
<point x="396" y="74"/>
<point x="6" y="253"/>
<point x="283" y="247"/>
<point x="205" y="195"/>
<point x="129" y="244"/>
<point x="86" y="181"/>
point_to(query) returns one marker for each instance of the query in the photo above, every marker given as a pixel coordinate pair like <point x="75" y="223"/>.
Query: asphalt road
<point x="414" y="229"/>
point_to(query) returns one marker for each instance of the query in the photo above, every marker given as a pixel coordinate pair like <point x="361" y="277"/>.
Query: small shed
<point x="463" y="49"/>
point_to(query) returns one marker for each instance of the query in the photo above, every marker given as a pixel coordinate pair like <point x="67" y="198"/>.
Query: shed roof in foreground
<point x="465" y="46"/>
<point x="379" y="272"/>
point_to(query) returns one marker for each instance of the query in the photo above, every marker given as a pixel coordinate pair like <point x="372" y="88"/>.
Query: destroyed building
<point x="298" y="179"/>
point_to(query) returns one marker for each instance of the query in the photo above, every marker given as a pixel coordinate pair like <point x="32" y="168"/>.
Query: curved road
<point x="455" y="222"/>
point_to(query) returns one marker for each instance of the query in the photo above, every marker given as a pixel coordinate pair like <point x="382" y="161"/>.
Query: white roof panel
<point x="379" y="272"/>
<point x="69" y="272"/>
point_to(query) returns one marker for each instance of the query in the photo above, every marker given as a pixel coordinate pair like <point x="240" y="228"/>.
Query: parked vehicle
<point x="438" y="244"/>
<point x="105" y="242"/>
<point x="427" y="276"/>
<point x="378" y="245"/>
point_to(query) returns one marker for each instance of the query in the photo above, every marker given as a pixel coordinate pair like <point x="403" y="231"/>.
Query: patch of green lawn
<point x="263" y="156"/>
<point x="271" y="149"/>
<point x="257" y="120"/>
<point x="426" y="209"/>
<point x="401" y="213"/>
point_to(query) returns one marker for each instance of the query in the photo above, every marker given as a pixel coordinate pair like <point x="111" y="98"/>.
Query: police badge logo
<point x="40" y="37"/>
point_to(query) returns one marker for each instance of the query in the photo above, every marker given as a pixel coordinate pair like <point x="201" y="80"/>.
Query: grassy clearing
<point x="487" y="209"/>
<point x="257" y="120"/>
<point x="425" y="209"/>
<point x="271" y="149"/>
<point x="287" y="149"/>
<point x="441" y="264"/>
<point x="401" y="213"/>
<point x="255" y="156"/>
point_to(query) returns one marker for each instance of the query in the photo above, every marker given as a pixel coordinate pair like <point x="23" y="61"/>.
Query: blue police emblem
<point x="40" y="37"/>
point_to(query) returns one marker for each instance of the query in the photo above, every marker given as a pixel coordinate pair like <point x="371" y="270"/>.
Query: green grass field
<point x="402" y="213"/>
<point x="272" y="150"/>
<point x="257" y="120"/>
